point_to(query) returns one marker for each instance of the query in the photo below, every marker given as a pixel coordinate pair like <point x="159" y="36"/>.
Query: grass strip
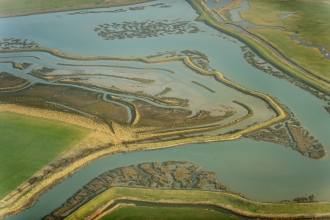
<point x="227" y="201"/>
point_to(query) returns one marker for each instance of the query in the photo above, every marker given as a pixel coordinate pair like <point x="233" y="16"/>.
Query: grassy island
<point x="261" y="49"/>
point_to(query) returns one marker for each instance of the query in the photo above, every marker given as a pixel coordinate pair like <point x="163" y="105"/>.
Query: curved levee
<point x="29" y="197"/>
<point x="224" y="200"/>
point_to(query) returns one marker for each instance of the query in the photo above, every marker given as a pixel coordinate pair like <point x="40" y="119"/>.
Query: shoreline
<point x="219" y="199"/>
<point x="26" y="200"/>
<point x="259" y="48"/>
<point x="69" y="170"/>
<point x="66" y="8"/>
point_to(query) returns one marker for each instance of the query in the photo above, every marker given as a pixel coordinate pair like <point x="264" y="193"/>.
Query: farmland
<point x="28" y="144"/>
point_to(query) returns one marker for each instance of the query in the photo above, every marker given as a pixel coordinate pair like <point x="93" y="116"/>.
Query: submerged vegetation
<point x="291" y="134"/>
<point x="264" y="66"/>
<point x="10" y="82"/>
<point x="145" y="29"/>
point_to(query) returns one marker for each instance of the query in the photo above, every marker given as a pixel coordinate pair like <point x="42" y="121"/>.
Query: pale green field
<point x="142" y="212"/>
<point x="27" y="144"/>
<point x="311" y="22"/>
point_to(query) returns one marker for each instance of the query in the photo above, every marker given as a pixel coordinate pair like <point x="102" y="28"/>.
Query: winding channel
<point x="260" y="108"/>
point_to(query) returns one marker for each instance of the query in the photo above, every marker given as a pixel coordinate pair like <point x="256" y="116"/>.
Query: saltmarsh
<point x="231" y="202"/>
<point x="27" y="144"/>
<point x="309" y="20"/>
<point x="24" y="5"/>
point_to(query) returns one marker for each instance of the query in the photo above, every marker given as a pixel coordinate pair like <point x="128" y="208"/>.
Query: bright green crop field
<point x="143" y="212"/>
<point x="27" y="144"/>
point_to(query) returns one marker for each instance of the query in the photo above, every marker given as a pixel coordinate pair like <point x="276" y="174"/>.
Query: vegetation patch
<point x="9" y="81"/>
<point x="224" y="11"/>
<point x="168" y="175"/>
<point x="292" y="135"/>
<point x="40" y="73"/>
<point x="20" y="66"/>
<point x="310" y="59"/>
<point x="145" y="29"/>
<point x="264" y="66"/>
<point x="28" y="144"/>
<point x="40" y="96"/>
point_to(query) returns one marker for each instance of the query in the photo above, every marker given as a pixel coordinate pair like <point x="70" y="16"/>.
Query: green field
<point x="310" y="21"/>
<point x="27" y="144"/>
<point x="225" y="200"/>
<point x="143" y="212"/>
<point x="259" y="47"/>
<point x="23" y="5"/>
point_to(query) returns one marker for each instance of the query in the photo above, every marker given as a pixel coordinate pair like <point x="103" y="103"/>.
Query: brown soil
<point x="164" y="92"/>
<point x="305" y="143"/>
<point x="291" y="135"/>
<point x="90" y="102"/>
<point x="234" y="4"/>
<point x="21" y="66"/>
<point x="9" y="81"/>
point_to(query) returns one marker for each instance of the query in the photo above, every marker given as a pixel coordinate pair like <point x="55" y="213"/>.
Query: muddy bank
<point x="20" y="66"/>
<point x="11" y="82"/>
